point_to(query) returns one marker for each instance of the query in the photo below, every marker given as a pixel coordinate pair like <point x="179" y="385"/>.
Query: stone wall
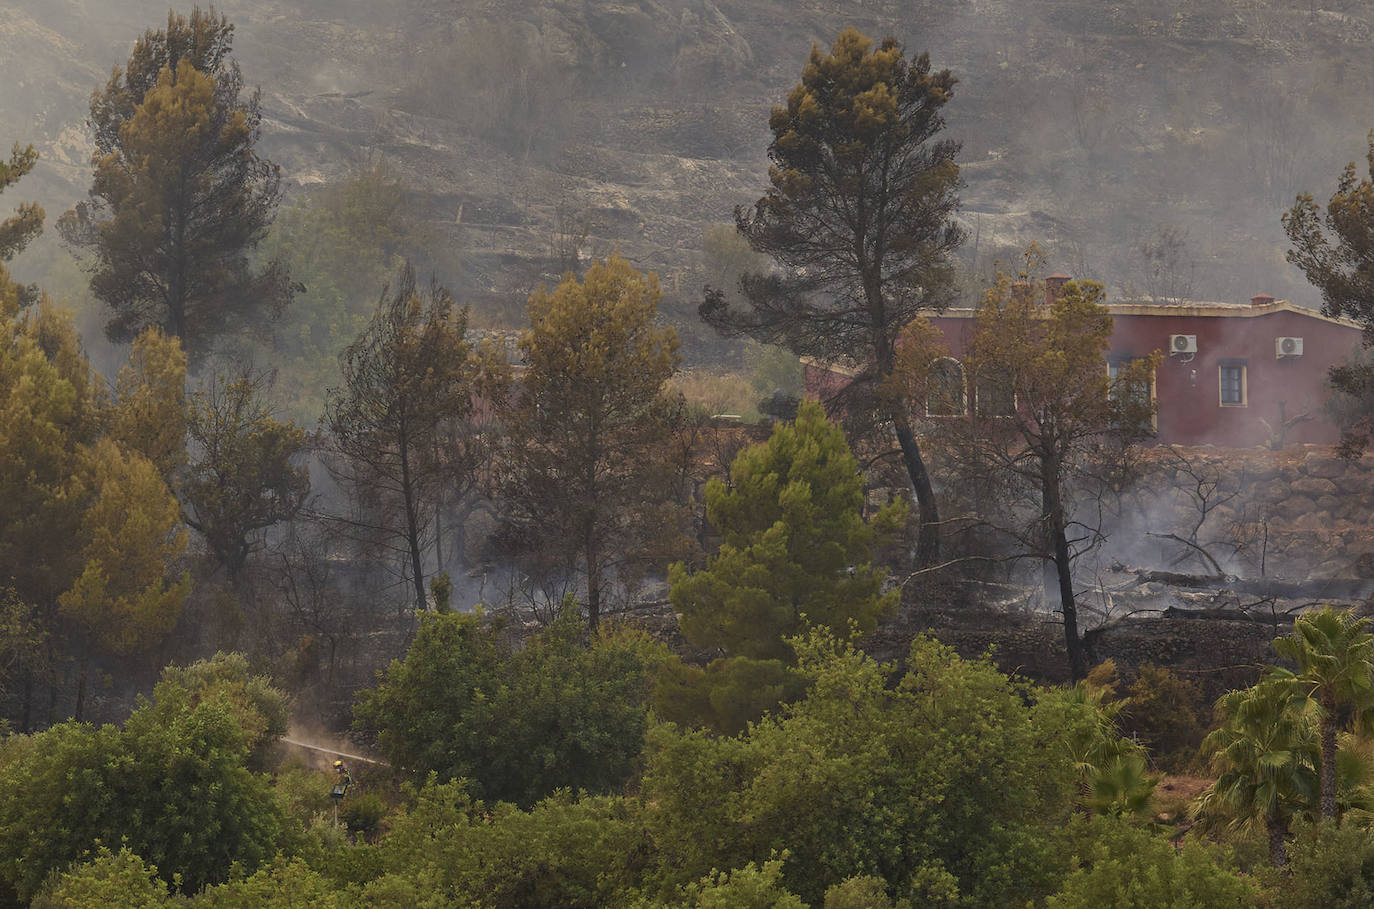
<point x="1298" y="513"/>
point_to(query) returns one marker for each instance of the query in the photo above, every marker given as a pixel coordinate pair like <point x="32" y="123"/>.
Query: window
<point x="993" y="394"/>
<point x="1135" y="413"/>
<point x="1140" y="391"/>
<point x="1231" y="381"/>
<point x="945" y="397"/>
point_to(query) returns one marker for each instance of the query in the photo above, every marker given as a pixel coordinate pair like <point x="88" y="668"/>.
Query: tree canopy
<point x="858" y="219"/>
<point x="520" y="724"/>
<point x="395" y="425"/>
<point x="583" y="465"/>
<point x="180" y="198"/>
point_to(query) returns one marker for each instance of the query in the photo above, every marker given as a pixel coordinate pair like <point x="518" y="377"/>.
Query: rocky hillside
<point x="1150" y="144"/>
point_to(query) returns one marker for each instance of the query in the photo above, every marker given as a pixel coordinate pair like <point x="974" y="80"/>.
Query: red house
<point x="1231" y="375"/>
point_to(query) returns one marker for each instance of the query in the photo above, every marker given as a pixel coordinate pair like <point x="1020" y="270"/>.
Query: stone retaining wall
<point x="1301" y="512"/>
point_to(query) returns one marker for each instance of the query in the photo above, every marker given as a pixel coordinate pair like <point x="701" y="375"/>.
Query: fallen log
<point x="1230" y="615"/>
<point x="1347" y="589"/>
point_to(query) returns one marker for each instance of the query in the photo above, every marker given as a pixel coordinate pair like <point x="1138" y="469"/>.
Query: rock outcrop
<point x="1088" y="128"/>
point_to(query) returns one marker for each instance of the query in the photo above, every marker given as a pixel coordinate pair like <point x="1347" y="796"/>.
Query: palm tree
<point x="1122" y="787"/>
<point x="1265" y="754"/>
<point x="1115" y="778"/>
<point x="1334" y="654"/>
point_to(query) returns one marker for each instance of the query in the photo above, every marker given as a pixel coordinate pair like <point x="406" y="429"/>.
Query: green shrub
<point x="172" y="785"/>
<point x="861" y="893"/>
<point x="1119" y="865"/>
<point x="946" y="785"/>
<point x="562" y="853"/>
<point x="1168" y="715"/>
<point x="1329" y="867"/>
<point x="363" y="814"/>
<point x="108" y="879"/>
<point x="750" y="887"/>
<point x="559" y="713"/>
<point x="283" y="884"/>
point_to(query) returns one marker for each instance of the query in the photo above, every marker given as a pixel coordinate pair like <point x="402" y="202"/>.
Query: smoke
<point x="1084" y="127"/>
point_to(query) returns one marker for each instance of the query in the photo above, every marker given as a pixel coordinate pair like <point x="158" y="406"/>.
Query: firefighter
<point x="345" y="779"/>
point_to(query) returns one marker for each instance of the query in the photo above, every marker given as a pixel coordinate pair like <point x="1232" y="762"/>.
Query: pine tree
<point x="584" y="462"/>
<point x="180" y="198"/>
<point x="795" y="547"/>
<point x="795" y="552"/>
<point x="859" y="218"/>
<point x="395" y="425"/>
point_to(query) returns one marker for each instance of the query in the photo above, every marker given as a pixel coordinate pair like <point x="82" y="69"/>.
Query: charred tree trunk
<point x="885" y="355"/>
<point x="412" y="521"/>
<point x="593" y="584"/>
<point x="1053" y="509"/>
<point x="928" y="542"/>
<point x="1078" y="663"/>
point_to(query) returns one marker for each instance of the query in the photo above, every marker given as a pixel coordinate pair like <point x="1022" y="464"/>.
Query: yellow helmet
<point x="338" y="764"/>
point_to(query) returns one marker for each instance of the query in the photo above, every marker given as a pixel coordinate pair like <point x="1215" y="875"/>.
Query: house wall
<point x="1187" y="387"/>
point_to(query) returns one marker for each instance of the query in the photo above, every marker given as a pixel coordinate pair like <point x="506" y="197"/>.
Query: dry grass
<point x="1175" y="794"/>
<point x="718" y="392"/>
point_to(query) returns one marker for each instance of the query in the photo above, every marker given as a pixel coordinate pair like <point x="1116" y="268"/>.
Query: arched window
<point x="945" y="397"/>
<point x="1139" y="390"/>
<point x="993" y="394"/>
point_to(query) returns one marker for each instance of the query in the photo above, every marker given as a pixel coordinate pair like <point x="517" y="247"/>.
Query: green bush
<point x="750" y="887"/>
<point x="946" y="785"/>
<point x="363" y="814"/>
<point x="448" y="848"/>
<point x="304" y="794"/>
<point x="1119" y="865"/>
<point x="1329" y="867"/>
<point x="284" y="884"/>
<point x="727" y="695"/>
<point x="862" y="893"/>
<point x="108" y="879"/>
<point x="1168" y="715"/>
<point x="559" y="713"/>
<point x="173" y="786"/>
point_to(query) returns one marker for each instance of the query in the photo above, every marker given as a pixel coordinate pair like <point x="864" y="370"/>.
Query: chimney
<point x="1261" y="300"/>
<point x="1054" y="286"/>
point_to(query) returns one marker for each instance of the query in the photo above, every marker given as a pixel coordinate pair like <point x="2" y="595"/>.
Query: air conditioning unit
<point x="1182" y="344"/>
<point x="1287" y="347"/>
